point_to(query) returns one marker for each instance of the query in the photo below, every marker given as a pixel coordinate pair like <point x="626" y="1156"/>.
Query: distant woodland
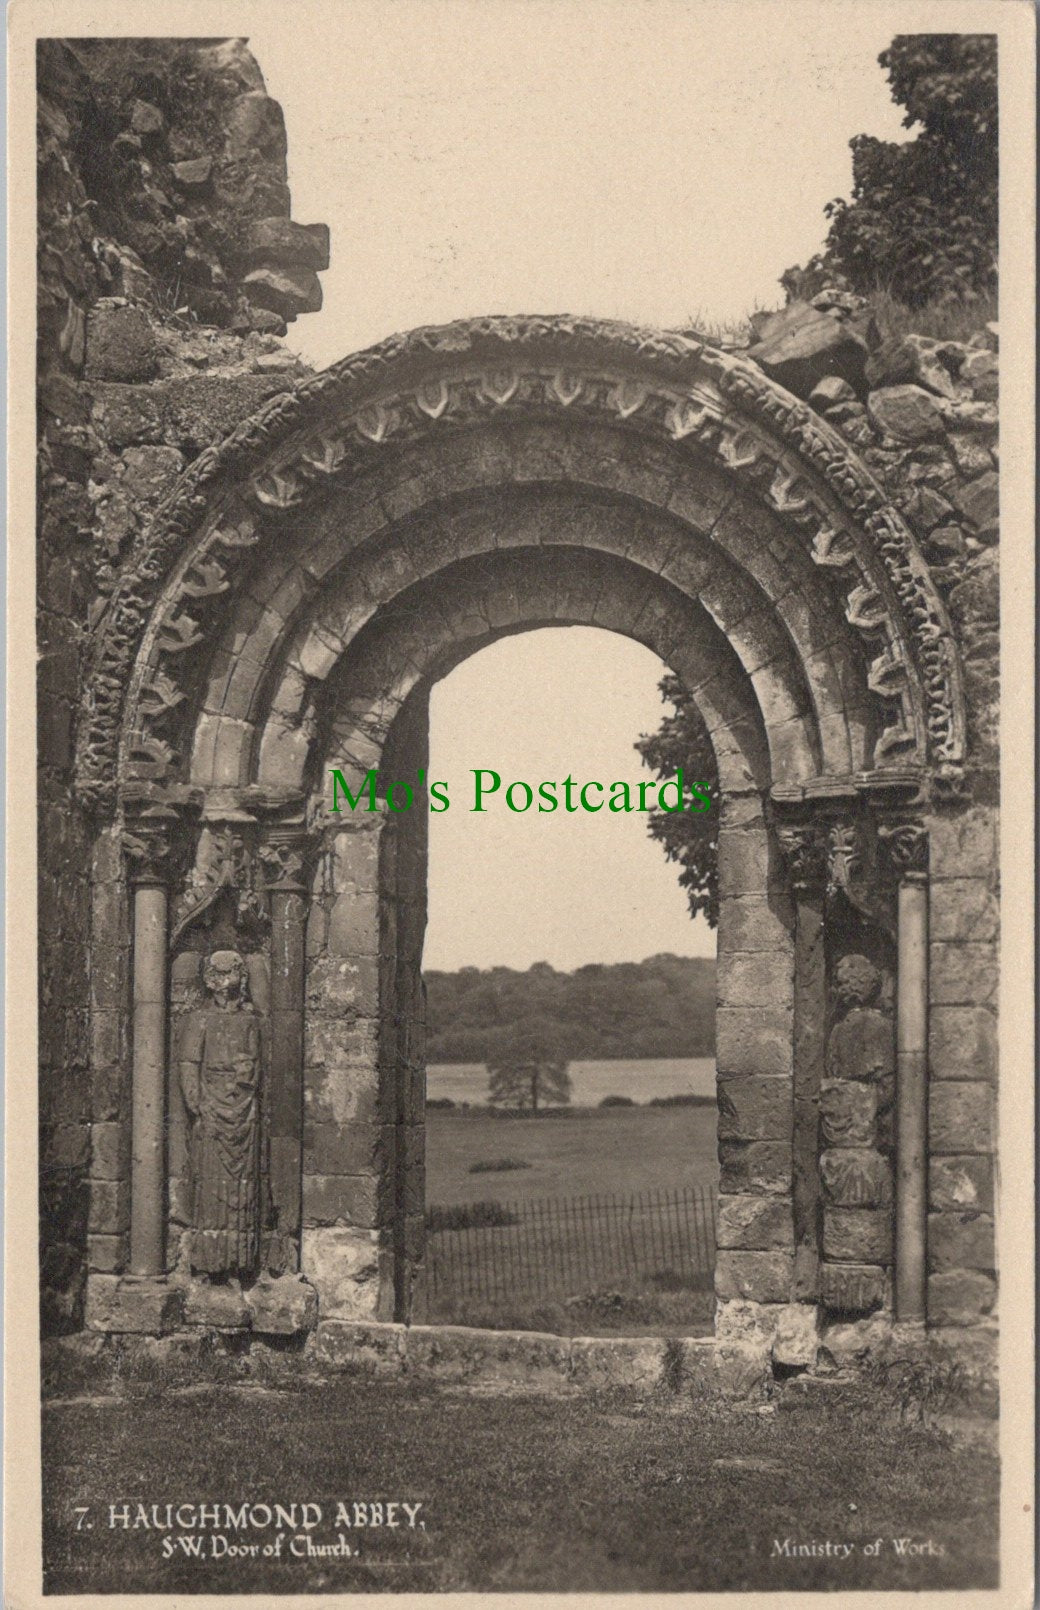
<point x="661" y="1007"/>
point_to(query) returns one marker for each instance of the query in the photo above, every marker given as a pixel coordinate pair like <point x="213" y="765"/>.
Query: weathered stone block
<point x="738" y="1320"/>
<point x="106" y="1253"/>
<point x="149" y="473"/>
<point x="284" y="291"/>
<point x="345" y="1199"/>
<point x="742" y="1371"/>
<point x="963" y="846"/>
<point x="963" y="974"/>
<point x="194" y="174"/>
<point x="797" y="1336"/>
<point x="283" y="1305"/>
<point x="961" y="1117"/>
<point x="962" y="908"/>
<point x="960" y="1241"/>
<point x="285" y="243"/>
<point x="759" y="1167"/>
<point x="221" y="1307"/>
<point x="755" y="922"/>
<point x="746" y="863"/>
<point x="852" y="1288"/>
<point x="756" y="978"/>
<point x="350" y="1271"/>
<point x="754" y="1223"/>
<point x="763" y="1277"/>
<point x="120" y="343"/>
<point x="109" y="1206"/>
<point x="751" y="1108"/>
<point x="960" y="1297"/>
<point x="110" y="1151"/>
<point x="800" y="344"/>
<point x="979" y="503"/>
<point x="617" y="1361"/>
<point x="848" y="1113"/>
<point x="753" y="1040"/>
<point x="369" y="1349"/>
<point x="65" y="1146"/>
<point x="353" y="1148"/>
<point x="856" y="1177"/>
<point x="907" y="413"/>
<point x="962" y="1043"/>
<point x="509" y="1358"/>
<point x="956" y="1183"/>
<point x="857" y="1235"/>
<point x="132" y="1303"/>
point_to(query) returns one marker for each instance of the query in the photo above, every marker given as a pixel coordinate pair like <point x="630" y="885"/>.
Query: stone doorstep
<point x="461" y="1354"/>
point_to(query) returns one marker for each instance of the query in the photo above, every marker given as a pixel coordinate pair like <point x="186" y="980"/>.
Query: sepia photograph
<point x="520" y="1076"/>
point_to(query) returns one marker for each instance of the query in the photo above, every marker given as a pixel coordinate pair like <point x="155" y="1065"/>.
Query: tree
<point x="527" y="1065"/>
<point x="691" y="839"/>
<point x="922" y="220"/>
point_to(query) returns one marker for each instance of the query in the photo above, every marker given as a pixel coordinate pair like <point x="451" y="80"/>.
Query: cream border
<point x="1013" y="21"/>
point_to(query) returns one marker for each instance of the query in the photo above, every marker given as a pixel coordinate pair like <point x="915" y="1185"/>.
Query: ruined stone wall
<point x="168" y="269"/>
<point x="922" y="414"/>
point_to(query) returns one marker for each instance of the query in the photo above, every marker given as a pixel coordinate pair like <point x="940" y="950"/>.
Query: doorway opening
<point x="571" y="1151"/>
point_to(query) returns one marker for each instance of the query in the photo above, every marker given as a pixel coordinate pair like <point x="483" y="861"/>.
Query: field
<point x="595" y="1220"/>
<point x="588" y="1151"/>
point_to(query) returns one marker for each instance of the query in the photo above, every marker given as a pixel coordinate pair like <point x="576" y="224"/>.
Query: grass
<point x="941" y="321"/>
<point x="589" y="1492"/>
<point x="601" y="1149"/>
<point x="688" y="1311"/>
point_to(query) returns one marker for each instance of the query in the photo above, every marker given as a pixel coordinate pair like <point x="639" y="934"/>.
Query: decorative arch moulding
<point x="310" y="444"/>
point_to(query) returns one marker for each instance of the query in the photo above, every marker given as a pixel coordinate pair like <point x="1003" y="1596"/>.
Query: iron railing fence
<point x="490" y="1253"/>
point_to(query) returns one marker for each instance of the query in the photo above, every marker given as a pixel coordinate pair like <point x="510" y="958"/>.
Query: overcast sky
<point x="642" y="159"/>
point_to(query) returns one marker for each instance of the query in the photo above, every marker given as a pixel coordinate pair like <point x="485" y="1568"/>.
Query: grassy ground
<point x="598" y="1149"/>
<point x="532" y="1492"/>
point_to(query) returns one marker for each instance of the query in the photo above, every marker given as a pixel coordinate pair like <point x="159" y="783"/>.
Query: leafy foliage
<point x="688" y="838"/>
<point x="922" y="219"/>
<point x="527" y="1065"/>
<point x="661" y="1007"/>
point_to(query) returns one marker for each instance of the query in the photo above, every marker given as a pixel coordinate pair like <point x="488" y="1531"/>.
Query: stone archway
<point x="310" y="578"/>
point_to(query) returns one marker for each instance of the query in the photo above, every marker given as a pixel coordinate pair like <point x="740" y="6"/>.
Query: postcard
<point x="520" y="877"/>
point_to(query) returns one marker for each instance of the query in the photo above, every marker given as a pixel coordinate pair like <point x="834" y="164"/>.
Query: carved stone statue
<point x="220" y="1078"/>
<point x="861" y="1044"/>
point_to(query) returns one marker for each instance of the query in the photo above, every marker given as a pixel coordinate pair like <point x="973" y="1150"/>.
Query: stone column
<point x="908" y="847"/>
<point x="148" y="849"/>
<point x="805" y="848"/>
<point x="283" y="855"/>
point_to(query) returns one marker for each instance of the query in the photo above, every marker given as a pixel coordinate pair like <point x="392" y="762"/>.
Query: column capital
<point x="804" y="845"/>
<point x="906" y="840"/>
<point x="148" y="844"/>
<point x="285" y="852"/>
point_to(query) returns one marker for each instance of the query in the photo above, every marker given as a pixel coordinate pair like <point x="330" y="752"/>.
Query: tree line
<point x="661" y="1007"/>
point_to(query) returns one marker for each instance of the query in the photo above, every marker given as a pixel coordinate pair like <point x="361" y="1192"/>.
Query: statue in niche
<point x="861" y="1044"/>
<point x="220" y="1067"/>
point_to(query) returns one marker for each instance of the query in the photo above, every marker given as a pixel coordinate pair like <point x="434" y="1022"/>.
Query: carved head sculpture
<point x="225" y="976"/>
<point x="856" y="981"/>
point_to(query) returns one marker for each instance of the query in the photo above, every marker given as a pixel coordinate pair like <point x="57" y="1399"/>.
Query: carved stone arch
<point x="576" y="472"/>
<point x="429" y="387"/>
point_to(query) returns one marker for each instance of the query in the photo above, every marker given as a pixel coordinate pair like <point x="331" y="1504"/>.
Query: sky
<point x="650" y="160"/>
